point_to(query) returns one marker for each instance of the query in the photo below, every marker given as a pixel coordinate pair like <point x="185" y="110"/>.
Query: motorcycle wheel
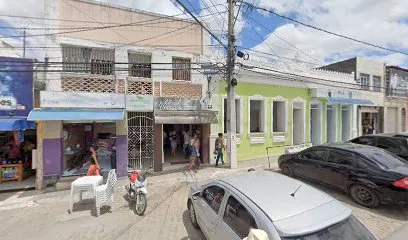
<point x="141" y="204"/>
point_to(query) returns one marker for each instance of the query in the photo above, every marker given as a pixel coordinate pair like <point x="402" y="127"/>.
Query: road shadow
<point x="89" y="205"/>
<point x="192" y="232"/>
<point x="395" y="212"/>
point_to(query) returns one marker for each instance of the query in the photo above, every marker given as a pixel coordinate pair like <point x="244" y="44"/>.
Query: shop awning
<point x="349" y="101"/>
<point x="75" y="115"/>
<point x="185" y="117"/>
<point x="15" y="124"/>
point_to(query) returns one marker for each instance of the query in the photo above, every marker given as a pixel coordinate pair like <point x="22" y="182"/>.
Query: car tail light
<point x="402" y="183"/>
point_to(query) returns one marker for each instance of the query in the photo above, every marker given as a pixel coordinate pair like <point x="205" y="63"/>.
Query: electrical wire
<point x="202" y="25"/>
<point x="329" y="82"/>
<point x="172" y="17"/>
<point x="88" y="29"/>
<point x="326" y="31"/>
<point x="283" y="40"/>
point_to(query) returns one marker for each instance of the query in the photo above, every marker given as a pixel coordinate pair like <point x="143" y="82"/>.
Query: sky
<point x="380" y="22"/>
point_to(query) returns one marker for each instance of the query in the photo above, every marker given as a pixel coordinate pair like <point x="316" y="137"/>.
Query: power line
<point x="268" y="54"/>
<point x="172" y="17"/>
<point x="287" y="42"/>
<point x="86" y="30"/>
<point x="326" y="31"/>
<point x="202" y="25"/>
<point x="304" y="78"/>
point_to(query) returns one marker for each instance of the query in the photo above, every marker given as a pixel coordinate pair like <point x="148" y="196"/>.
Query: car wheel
<point x="364" y="196"/>
<point x="287" y="170"/>
<point x="193" y="215"/>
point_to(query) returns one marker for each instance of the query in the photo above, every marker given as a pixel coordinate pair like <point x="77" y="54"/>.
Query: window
<point x="279" y="116"/>
<point x="181" y="69"/>
<point x="256" y="116"/>
<point x="237" y="115"/>
<point x="140" y="65"/>
<point x="364" y="81"/>
<point x="342" y="158"/>
<point x="238" y="218"/>
<point x="213" y="196"/>
<point x="315" y="154"/>
<point x="377" y="83"/>
<point x="88" y="60"/>
<point x="350" y="228"/>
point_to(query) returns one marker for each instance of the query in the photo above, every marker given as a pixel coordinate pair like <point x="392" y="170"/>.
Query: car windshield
<point x="385" y="159"/>
<point x="350" y="228"/>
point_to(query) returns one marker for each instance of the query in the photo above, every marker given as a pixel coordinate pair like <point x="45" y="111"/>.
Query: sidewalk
<point x="400" y="234"/>
<point x="14" y="200"/>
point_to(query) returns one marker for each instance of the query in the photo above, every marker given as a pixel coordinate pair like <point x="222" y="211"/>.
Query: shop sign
<point x="81" y="100"/>
<point x="16" y="86"/>
<point x="178" y="104"/>
<point x="327" y="93"/>
<point x="139" y="103"/>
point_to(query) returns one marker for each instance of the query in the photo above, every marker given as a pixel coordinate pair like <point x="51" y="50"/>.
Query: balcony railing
<point x="395" y="92"/>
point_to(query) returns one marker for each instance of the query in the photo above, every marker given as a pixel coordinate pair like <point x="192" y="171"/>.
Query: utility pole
<point x="24" y="42"/>
<point x="231" y="82"/>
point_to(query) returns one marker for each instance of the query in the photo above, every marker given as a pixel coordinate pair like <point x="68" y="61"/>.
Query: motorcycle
<point x="137" y="190"/>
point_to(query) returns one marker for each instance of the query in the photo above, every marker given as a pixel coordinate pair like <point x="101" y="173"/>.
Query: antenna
<point x="293" y="194"/>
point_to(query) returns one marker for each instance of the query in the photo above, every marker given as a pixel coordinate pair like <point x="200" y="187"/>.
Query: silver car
<point x="283" y="207"/>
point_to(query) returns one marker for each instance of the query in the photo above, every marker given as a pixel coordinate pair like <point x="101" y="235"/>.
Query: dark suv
<point x="391" y="142"/>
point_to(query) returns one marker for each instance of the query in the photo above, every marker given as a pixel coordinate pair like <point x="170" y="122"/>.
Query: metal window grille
<point x="88" y="60"/>
<point x="181" y="69"/>
<point x="377" y="83"/>
<point x="364" y="83"/>
<point x="140" y="65"/>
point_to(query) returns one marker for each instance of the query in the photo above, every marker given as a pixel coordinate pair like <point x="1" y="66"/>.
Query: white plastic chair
<point x="104" y="193"/>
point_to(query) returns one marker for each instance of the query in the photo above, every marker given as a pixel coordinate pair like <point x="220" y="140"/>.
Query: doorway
<point x="345" y="123"/>
<point x="315" y="124"/>
<point x="177" y="135"/>
<point x="298" y="123"/>
<point x="331" y="124"/>
<point x="403" y="120"/>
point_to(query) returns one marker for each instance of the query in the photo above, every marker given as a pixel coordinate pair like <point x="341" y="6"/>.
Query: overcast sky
<point x="381" y="22"/>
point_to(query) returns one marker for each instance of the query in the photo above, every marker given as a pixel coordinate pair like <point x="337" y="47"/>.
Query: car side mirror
<point x="257" y="234"/>
<point x="196" y="195"/>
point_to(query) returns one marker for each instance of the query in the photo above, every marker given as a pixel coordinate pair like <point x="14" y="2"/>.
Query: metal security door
<point x="140" y="140"/>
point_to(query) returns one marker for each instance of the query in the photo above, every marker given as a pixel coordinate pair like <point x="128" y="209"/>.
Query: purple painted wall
<point x="52" y="156"/>
<point x="121" y="155"/>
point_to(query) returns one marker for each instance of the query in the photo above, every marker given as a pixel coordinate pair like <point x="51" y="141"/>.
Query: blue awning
<point x="15" y="124"/>
<point x="75" y="115"/>
<point x="349" y="101"/>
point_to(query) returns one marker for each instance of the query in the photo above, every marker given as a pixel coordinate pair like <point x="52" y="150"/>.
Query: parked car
<point x="284" y="208"/>
<point x="394" y="143"/>
<point x="370" y="175"/>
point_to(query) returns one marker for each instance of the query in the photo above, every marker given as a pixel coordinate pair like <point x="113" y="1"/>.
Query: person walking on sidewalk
<point x="195" y="153"/>
<point x="219" y="146"/>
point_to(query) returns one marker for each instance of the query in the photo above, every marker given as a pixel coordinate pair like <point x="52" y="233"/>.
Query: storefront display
<point x="78" y="137"/>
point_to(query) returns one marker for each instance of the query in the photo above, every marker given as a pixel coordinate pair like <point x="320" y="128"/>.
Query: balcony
<point x="397" y="92"/>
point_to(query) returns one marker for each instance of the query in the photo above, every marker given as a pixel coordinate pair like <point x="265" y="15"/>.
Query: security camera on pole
<point x="231" y="83"/>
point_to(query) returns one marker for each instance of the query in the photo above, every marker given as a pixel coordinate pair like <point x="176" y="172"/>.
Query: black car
<point x="370" y="175"/>
<point x="394" y="143"/>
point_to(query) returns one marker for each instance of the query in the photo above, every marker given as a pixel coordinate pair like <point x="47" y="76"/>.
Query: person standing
<point x="219" y="146"/>
<point x="195" y="153"/>
<point x="186" y="145"/>
<point x="173" y="144"/>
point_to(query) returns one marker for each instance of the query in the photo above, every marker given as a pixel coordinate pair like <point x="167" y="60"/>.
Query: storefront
<point x="74" y="121"/>
<point x="340" y="115"/>
<point x="173" y="117"/>
<point x="17" y="135"/>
